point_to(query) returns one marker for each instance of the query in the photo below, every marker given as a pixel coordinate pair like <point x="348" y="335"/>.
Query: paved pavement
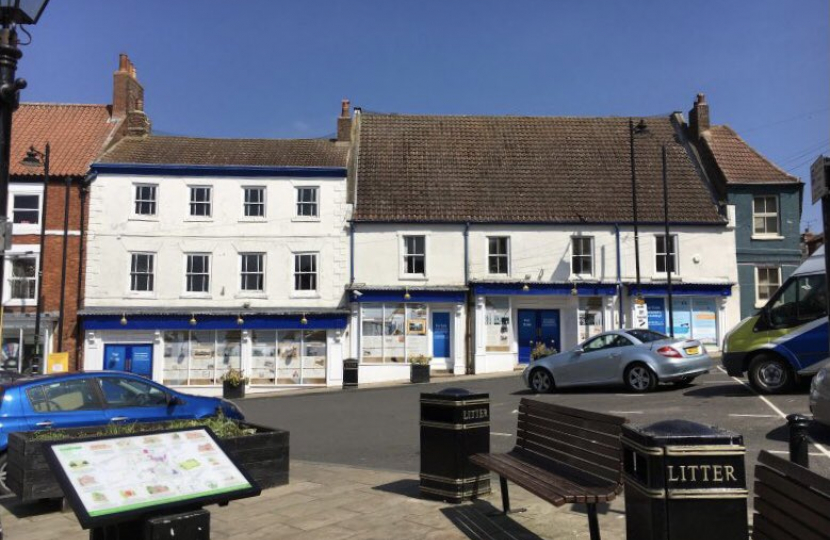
<point x="334" y="502"/>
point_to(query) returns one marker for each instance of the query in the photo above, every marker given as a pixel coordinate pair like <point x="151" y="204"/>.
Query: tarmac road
<point x="378" y="427"/>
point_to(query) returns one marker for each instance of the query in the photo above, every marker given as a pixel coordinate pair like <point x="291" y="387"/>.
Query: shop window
<point x="263" y="356"/>
<point x="252" y="272"/>
<point x="23" y="279"/>
<point x="498" y="256"/>
<point x="141" y="272"/>
<point x="200" y="201"/>
<point x="197" y="273"/>
<point x="176" y="357"/>
<point x="228" y="352"/>
<point x="666" y="254"/>
<point x="414" y="257"/>
<point x="25" y="209"/>
<point x="254" y="202"/>
<point x="497" y="323"/>
<point x="582" y="256"/>
<point x="590" y="317"/>
<point x="305" y="272"/>
<point x="394" y="333"/>
<point x="200" y="357"/>
<point x="307" y="204"/>
<point x="314" y="357"/>
<point x="145" y="199"/>
<point x="767" y="282"/>
<point x="765" y="216"/>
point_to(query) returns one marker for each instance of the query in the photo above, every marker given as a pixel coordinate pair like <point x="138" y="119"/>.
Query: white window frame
<point x="191" y="202"/>
<point x="264" y="203"/>
<point x="403" y="254"/>
<point x="502" y="255"/>
<point x="20" y="251"/>
<point x="766" y="214"/>
<point x="759" y="302"/>
<point x="590" y="255"/>
<point x="676" y="245"/>
<point x="152" y="274"/>
<point x="209" y="273"/>
<point x="260" y="293"/>
<point x="25" y="189"/>
<point x="135" y="201"/>
<point x="305" y="292"/>
<point x="316" y="203"/>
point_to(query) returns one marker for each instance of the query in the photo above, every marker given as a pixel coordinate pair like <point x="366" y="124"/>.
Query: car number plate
<point x="692" y="350"/>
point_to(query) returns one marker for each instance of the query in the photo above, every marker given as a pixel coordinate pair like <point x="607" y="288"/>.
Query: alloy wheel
<point x="639" y="378"/>
<point x="3" y="475"/>
<point x="540" y="381"/>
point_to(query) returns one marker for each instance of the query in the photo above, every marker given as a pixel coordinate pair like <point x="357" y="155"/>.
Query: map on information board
<point x="131" y="474"/>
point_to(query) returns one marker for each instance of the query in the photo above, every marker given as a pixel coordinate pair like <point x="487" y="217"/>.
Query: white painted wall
<point x="114" y="232"/>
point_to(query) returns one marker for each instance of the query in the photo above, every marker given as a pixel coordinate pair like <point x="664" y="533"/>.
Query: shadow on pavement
<point x="475" y="522"/>
<point x="408" y="488"/>
<point x="588" y="390"/>
<point x="818" y="432"/>
<point x="24" y="510"/>
<point x="720" y="390"/>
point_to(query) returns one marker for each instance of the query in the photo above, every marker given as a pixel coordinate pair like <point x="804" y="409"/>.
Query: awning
<point x="682" y="289"/>
<point x="363" y="294"/>
<point x="531" y="288"/>
<point x="308" y="320"/>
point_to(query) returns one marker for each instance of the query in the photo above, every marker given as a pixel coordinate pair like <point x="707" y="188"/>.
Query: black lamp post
<point x="12" y="14"/>
<point x="34" y="158"/>
<point x="640" y="128"/>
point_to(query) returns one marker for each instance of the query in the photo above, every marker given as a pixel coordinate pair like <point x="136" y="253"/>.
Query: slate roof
<point x="521" y="169"/>
<point x="738" y="162"/>
<point x="77" y="135"/>
<point x="164" y="150"/>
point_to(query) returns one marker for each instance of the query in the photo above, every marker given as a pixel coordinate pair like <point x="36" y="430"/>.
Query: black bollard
<point x="799" y="442"/>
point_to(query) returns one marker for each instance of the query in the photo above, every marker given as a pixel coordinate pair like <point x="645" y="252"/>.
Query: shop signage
<point x="108" y="479"/>
<point x="640" y="315"/>
<point x="819" y="171"/>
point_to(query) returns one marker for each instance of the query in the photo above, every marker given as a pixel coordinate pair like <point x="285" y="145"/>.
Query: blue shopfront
<point x="696" y="310"/>
<point x="196" y="349"/>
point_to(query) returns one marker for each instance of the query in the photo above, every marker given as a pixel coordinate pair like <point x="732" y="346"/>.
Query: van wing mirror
<point x="172" y="400"/>
<point x="579" y="350"/>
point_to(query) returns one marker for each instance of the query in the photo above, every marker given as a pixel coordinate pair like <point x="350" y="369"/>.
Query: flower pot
<point x="419" y="373"/>
<point x="230" y="391"/>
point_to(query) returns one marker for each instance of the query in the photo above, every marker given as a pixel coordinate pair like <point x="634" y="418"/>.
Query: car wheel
<point x="770" y="375"/>
<point x="639" y="378"/>
<point x="4" y="474"/>
<point x="541" y="381"/>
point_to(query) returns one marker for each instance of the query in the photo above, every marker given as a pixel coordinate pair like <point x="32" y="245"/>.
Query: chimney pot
<point x="123" y="62"/>
<point x="344" y="109"/>
<point x="699" y="117"/>
<point x="344" y="123"/>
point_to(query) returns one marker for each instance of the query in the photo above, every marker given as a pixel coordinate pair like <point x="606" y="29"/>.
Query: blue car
<point x="93" y="399"/>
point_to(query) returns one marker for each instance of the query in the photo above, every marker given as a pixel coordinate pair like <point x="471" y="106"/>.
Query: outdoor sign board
<point x="117" y="479"/>
<point x="818" y="177"/>
<point x="640" y="314"/>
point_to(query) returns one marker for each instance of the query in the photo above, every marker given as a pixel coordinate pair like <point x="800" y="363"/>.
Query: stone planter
<point x="419" y="373"/>
<point x="264" y="455"/>
<point x="230" y="391"/>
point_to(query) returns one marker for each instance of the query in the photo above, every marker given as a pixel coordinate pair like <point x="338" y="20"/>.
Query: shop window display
<point x="394" y="337"/>
<point x="314" y="357"/>
<point x="176" y="358"/>
<point x="394" y="333"/>
<point x="497" y="323"/>
<point x="263" y="356"/>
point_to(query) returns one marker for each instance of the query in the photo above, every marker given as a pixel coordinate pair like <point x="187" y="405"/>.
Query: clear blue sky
<point x="265" y="68"/>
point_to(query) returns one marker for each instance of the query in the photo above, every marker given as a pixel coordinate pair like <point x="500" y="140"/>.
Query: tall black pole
<point x="825" y="214"/>
<point x="41" y="256"/>
<point x="79" y="336"/>
<point x="9" y="100"/>
<point x="669" y="253"/>
<point x="634" y="204"/>
<point x="63" y="271"/>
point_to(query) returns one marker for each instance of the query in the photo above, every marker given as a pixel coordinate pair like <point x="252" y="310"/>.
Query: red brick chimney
<point x="344" y="123"/>
<point x="128" y="99"/>
<point x="699" y="117"/>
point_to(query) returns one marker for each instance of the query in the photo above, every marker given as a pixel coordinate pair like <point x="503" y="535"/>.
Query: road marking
<point x="630" y="395"/>
<point x="514" y="412"/>
<point x="824" y="451"/>
<point x="626" y="412"/>
<point x="755" y="415"/>
<point x="786" y="453"/>
<point x="496" y="433"/>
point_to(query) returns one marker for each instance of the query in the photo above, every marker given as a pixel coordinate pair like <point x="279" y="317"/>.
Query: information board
<point x="108" y="480"/>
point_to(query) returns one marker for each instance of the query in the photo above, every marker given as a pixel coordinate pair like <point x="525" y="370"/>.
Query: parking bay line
<point x="496" y="433"/>
<point x="626" y="412"/>
<point x="780" y="413"/>
<point x="787" y="453"/>
<point x="755" y="415"/>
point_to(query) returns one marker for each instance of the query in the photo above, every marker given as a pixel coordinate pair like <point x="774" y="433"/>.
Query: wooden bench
<point x="791" y="502"/>
<point x="562" y="455"/>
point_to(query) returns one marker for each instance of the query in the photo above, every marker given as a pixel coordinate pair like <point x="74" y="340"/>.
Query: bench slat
<point x="797" y="508"/>
<point x="545" y="425"/>
<point x="578" y="442"/>
<point x="791" y="490"/>
<point x="786" y="522"/>
<point x="604" y="473"/>
<point x="798" y="474"/>
<point x="576" y="475"/>
<point x="560" y="409"/>
<point x="541" y="417"/>
<point x="764" y="529"/>
<point x="578" y="448"/>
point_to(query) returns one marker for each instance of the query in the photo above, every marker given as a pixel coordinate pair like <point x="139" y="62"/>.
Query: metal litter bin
<point x="684" y="481"/>
<point x="455" y="424"/>
<point x="350" y="368"/>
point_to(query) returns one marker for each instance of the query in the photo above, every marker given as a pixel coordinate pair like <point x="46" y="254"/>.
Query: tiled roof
<point x="739" y="163"/>
<point x="77" y="134"/>
<point x="157" y="150"/>
<point x="521" y="169"/>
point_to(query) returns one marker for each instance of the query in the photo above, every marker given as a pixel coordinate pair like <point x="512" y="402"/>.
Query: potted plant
<point x="233" y="384"/>
<point x="419" y="369"/>
<point x="541" y="350"/>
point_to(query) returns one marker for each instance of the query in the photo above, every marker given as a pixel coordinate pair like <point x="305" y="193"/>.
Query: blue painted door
<point x="527" y="334"/>
<point x="548" y="321"/>
<point x="441" y="335"/>
<point x="136" y="359"/>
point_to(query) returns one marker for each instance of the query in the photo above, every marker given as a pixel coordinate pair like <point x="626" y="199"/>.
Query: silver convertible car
<point x="638" y="359"/>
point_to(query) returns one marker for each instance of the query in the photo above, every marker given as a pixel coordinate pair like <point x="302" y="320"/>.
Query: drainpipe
<point x="619" y="276"/>
<point x="81" y="267"/>
<point x="470" y="301"/>
<point x="352" y="228"/>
